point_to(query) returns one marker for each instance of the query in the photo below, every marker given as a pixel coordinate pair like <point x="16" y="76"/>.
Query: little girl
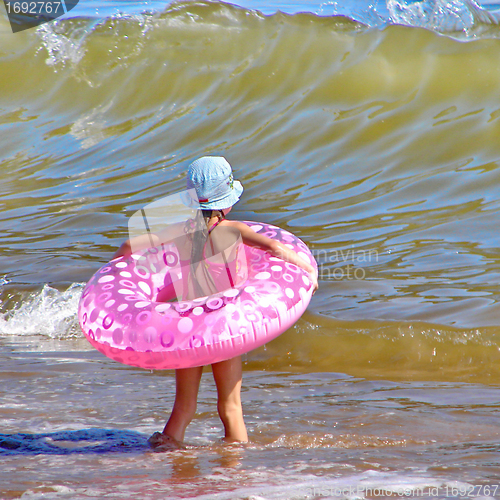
<point x="217" y="192"/>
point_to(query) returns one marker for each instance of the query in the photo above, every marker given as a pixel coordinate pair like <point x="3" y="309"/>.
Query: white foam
<point x="48" y="312"/>
<point x="370" y="484"/>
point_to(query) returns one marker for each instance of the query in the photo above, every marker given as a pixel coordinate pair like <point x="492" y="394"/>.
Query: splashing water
<point x="47" y="312"/>
<point x="443" y="16"/>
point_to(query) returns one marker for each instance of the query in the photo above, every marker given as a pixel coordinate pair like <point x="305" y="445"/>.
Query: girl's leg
<point x="187" y="383"/>
<point x="227" y="376"/>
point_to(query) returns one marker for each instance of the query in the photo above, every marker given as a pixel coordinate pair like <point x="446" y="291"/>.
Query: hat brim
<point x="226" y="202"/>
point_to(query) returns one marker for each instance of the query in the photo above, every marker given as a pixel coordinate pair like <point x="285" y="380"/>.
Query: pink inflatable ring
<point x="120" y="317"/>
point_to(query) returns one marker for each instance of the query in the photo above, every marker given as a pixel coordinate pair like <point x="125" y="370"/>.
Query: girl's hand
<point x="313" y="276"/>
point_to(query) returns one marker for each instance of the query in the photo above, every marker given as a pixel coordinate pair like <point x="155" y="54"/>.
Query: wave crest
<point x="448" y="17"/>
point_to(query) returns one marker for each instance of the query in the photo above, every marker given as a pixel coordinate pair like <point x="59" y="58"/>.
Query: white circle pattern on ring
<point x="145" y="287"/>
<point x="106" y="279"/>
<point x="263" y="276"/>
<point x="198" y="311"/>
<point x="185" y="325"/>
<point x="214" y="303"/>
<point x="163" y="307"/>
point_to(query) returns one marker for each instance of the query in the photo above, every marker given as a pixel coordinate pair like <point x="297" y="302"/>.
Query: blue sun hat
<point x="212" y="179"/>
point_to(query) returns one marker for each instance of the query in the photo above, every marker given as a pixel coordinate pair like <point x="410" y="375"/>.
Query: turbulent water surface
<point x="370" y="130"/>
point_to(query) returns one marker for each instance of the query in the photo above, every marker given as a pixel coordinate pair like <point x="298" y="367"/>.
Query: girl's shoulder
<point x="231" y="226"/>
<point x="232" y="223"/>
<point x="249" y="236"/>
<point x="237" y="225"/>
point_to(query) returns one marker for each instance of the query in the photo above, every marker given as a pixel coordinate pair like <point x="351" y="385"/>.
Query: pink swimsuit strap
<point x="213" y="226"/>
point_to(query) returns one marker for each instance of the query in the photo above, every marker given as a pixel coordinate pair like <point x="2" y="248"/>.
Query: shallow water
<point x="326" y="434"/>
<point x="374" y="142"/>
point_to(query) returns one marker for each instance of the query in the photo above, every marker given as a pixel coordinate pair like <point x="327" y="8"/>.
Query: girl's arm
<point x="150" y="240"/>
<point x="275" y="248"/>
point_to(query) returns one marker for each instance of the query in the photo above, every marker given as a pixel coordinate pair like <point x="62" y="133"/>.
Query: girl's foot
<point x="162" y="442"/>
